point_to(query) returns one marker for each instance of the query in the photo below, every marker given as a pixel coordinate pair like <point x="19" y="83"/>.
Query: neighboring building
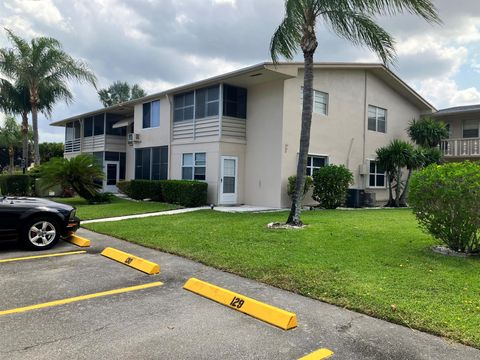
<point x="463" y="123"/>
<point x="240" y="132"/>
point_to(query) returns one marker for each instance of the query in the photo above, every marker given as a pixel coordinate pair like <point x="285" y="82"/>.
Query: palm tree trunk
<point x="25" y="140"/>
<point x="35" y="133"/>
<point x="11" y="156"/>
<point x="397" y="189"/>
<point x="403" y="197"/>
<point x="294" y="216"/>
<point x="390" y="191"/>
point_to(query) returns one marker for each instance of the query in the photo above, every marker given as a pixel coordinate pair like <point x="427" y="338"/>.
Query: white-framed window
<point x="184" y="106"/>
<point x="448" y="126"/>
<point x="194" y="166"/>
<point x="320" y="101"/>
<point x="377" y="176"/>
<point x="471" y="128"/>
<point x="151" y="114"/>
<point x="377" y="119"/>
<point x="315" y="162"/>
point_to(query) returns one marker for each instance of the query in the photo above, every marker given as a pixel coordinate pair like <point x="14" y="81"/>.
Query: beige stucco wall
<point x="150" y="137"/>
<point x="342" y="134"/>
<point x="212" y="151"/>
<point x="263" y="154"/>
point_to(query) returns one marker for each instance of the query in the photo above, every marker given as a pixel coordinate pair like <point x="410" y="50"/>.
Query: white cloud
<point x="45" y="11"/>
<point x="228" y="2"/>
<point x="444" y="92"/>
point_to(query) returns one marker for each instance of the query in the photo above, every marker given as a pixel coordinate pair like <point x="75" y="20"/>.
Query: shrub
<point x="446" y="202"/>
<point x="330" y="185"/>
<point x="124" y="187"/>
<point x="184" y="192"/>
<point x="291" y="185"/>
<point x="16" y="185"/>
<point x="81" y="173"/>
<point x="145" y="189"/>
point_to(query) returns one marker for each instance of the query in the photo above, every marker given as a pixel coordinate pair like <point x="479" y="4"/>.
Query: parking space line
<point x="80" y="298"/>
<point x="43" y="256"/>
<point x="320" y="354"/>
<point x="283" y="319"/>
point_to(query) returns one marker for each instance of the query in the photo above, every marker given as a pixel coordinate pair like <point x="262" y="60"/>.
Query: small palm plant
<point x="81" y="173"/>
<point x="11" y="139"/>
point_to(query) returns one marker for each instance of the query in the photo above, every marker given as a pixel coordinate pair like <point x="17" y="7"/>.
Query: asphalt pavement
<point x="168" y="322"/>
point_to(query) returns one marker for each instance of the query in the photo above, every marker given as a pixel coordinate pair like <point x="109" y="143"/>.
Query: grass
<point x="377" y="262"/>
<point x="117" y="207"/>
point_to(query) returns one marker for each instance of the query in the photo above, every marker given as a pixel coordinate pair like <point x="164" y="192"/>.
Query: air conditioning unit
<point x="133" y="138"/>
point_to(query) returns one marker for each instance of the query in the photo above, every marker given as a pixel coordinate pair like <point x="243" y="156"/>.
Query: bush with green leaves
<point x="184" y="192"/>
<point x="82" y="173"/>
<point x="145" y="189"/>
<point x="16" y="185"/>
<point x="330" y="185"/>
<point x="291" y="185"/>
<point x="446" y="201"/>
<point x="124" y="186"/>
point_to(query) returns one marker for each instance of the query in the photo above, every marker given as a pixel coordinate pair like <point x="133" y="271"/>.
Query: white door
<point x="112" y="175"/>
<point x="229" y="180"/>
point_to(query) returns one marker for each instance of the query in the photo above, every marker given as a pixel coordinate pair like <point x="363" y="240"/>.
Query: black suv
<point x="37" y="223"/>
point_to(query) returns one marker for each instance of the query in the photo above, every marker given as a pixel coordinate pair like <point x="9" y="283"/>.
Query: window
<point x="320" y="101"/>
<point x="99" y="124"/>
<point x="194" y="166"/>
<point x="234" y="101"/>
<point x="449" y="129"/>
<point x="314" y="163"/>
<point x="72" y="131"/>
<point x="112" y="119"/>
<point x="94" y="125"/>
<point x="470" y="128"/>
<point x="377" y="119"/>
<point x="207" y="102"/>
<point x="376" y="175"/>
<point x="183" y="106"/>
<point x="151" y="114"/>
<point x="151" y="163"/>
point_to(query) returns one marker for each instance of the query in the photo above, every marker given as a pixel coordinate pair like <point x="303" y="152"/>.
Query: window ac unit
<point x="133" y="138"/>
<point x="363" y="169"/>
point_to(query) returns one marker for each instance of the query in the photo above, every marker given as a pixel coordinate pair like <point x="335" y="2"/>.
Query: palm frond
<point x="361" y="30"/>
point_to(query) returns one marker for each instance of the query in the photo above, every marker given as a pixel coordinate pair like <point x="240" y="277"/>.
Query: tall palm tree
<point x="352" y="20"/>
<point x="15" y="100"/>
<point x="10" y="138"/>
<point x="41" y="64"/>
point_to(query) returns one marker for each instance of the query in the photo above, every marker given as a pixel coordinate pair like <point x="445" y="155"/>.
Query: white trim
<point x="327" y="105"/>
<point x="367" y="185"/>
<point x="228" y="199"/>
<point x="194" y="165"/>
<point x="376" y="118"/>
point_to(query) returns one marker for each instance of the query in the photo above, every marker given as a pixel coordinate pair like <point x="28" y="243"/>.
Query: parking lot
<point x="165" y="321"/>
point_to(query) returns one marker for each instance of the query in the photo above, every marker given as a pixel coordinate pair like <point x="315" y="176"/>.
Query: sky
<point x="160" y="44"/>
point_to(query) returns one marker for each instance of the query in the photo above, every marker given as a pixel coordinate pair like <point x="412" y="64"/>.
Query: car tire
<point x="40" y="233"/>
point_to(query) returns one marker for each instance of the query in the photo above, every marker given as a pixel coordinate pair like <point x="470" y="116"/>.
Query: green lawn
<point x="363" y="260"/>
<point x="118" y="207"/>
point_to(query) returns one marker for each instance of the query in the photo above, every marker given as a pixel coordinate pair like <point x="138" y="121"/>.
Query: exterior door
<point x="112" y="175"/>
<point x="229" y="180"/>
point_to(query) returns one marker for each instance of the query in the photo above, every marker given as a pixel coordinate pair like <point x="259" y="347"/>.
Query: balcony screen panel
<point x="98" y="124"/>
<point x="88" y="127"/>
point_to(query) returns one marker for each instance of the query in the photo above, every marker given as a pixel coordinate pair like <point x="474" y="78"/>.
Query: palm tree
<point x="15" y="100"/>
<point x="349" y="19"/>
<point x="11" y="138"/>
<point x="39" y="65"/>
<point x="81" y="173"/>
<point x="427" y="132"/>
<point x="120" y="92"/>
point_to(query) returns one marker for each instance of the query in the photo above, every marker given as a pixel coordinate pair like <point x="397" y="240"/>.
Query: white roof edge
<point x="260" y="66"/>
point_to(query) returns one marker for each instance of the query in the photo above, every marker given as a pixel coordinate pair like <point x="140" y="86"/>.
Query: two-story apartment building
<point x="463" y="123"/>
<point x="240" y="131"/>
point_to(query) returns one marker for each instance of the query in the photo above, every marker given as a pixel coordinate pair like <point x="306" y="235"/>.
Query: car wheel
<point x="40" y="233"/>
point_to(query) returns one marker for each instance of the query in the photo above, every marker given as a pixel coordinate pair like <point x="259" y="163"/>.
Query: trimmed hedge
<point x="16" y="185"/>
<point x="123" y="186"/>
<point x="184" y="192"/>
<point x="181" y="192"/>
<point x="145" y="189"/>
<point x="330" y="185"/>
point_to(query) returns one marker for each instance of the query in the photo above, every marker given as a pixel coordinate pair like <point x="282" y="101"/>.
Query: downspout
<point x="171" y="137"/>
<point x="364" y="129"/>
